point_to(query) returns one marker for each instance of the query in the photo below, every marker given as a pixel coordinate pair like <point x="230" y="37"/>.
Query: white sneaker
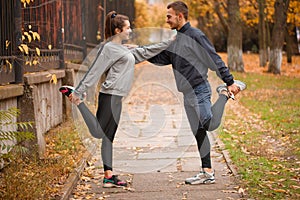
<point x="242" y="86"/>
<point x="201" y="178"/>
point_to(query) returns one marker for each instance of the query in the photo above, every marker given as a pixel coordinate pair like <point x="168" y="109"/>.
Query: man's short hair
<point x="179" y="7"/>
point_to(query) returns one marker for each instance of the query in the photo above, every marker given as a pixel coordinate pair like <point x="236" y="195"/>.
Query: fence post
<point x="60" y="33"/>
<point x="83" y="28"/>
<point x="18" y="62"/>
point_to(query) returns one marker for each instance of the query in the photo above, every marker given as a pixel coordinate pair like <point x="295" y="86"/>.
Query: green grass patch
<point x="264" y="138"/>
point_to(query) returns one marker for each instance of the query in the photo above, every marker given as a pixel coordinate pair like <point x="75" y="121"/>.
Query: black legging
<point x="105" y="125"/>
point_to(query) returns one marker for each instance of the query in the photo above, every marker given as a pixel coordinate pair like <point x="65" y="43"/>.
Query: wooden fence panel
<point x="72" y="22"/>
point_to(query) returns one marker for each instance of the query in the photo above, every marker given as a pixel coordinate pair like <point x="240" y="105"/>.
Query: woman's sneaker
<point x="201" y="178"/>
<point x="66" y="90"/>
<point x="113" y="181"/>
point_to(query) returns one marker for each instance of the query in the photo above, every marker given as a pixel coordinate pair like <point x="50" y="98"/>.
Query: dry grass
<point x="33" y="178"/>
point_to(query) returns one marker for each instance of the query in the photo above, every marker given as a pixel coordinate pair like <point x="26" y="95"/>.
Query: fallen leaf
<point x="241" y="191"/>
<point x="85" y="178"/>
<point x="295" y="187"/>
<point x="280" y="190"/>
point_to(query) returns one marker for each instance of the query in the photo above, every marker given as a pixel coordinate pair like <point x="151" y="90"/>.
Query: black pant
<point x="108" y="115"/>
<point x="105" y="125"/>
<point x="203" y="117"/>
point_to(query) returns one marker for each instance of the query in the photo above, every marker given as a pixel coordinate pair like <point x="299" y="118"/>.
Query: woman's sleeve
<point x="143" y="53"/>
<point x="92" y="76"/>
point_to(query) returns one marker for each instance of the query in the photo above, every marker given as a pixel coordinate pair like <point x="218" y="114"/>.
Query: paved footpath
<point x="154" y="149"/>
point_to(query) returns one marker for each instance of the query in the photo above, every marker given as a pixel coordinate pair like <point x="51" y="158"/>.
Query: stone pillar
<point x="41" y="104"/>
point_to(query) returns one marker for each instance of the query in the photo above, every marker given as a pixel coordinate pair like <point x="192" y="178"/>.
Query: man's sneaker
<point x="201" y="178"/>
<point x="223" y="87"/>
<point x="66" y="90"/>
<point x="113" y="182"/>
<point x="240" y="84"/>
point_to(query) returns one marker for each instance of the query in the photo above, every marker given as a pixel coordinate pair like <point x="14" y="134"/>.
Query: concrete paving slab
<point x="155" y="150"/>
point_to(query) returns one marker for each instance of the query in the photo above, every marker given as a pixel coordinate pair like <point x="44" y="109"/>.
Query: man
<point x="191" y="55"/>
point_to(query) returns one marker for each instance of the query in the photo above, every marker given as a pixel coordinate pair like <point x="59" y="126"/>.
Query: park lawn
<point x="261" y="132"/>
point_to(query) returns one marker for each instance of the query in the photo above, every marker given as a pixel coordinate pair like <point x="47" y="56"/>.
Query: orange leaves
<point x="7" y="43"/>
<point x="24" y="49"/>
<point x="27" y="38"/>
<point x="26" y="2"/>
<point x="248" y="9"/>
<point x="53" y="78"/>
<point x="9" y="65"/>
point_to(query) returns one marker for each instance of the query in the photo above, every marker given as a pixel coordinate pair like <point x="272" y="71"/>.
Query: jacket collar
<point x="185" y="27"/>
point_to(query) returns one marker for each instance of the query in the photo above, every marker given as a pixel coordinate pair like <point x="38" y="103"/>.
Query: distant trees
<point x="251" y="25"/>
<point x="142" y="15"/>
<point x="228" y="14"/>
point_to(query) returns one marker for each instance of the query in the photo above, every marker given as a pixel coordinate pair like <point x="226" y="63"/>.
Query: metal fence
<point x="67" y="29"/>
<point x="7" y="39"/>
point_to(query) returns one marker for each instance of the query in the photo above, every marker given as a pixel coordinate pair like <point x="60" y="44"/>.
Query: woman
<point x="117" y="62"/>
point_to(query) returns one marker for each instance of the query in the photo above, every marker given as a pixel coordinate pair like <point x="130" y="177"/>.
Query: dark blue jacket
<point x="191" y="55"/>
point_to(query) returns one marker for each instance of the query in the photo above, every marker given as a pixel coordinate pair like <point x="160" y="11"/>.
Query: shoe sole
<point x="242" y="86"/>
<point x="209" y="182"/>
<point x="221" y="88"/>
<point x="111" y="185"/>
<point x="201" y="183"/>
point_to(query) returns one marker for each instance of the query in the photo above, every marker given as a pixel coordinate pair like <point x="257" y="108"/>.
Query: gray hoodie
<point x="117" y="62"/>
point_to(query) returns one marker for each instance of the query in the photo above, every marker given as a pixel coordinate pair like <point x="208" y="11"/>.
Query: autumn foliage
<point x="212" y="17"/>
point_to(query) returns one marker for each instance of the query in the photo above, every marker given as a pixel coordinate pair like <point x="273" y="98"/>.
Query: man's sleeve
<point x="143" y="53"/>
<point x="161" y="59"/>
<point x="222" y="70"/>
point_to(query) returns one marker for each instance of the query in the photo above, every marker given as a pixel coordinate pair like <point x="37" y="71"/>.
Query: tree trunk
<point x="234" y="47"/>
<point x="289" y="42"/>
<point x="262" y="34"/>
<point x="277" y="41"/>
<point x="268" y="40"/>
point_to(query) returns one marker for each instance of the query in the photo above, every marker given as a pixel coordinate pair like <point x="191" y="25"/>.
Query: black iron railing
<point x="68" y="26"/>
